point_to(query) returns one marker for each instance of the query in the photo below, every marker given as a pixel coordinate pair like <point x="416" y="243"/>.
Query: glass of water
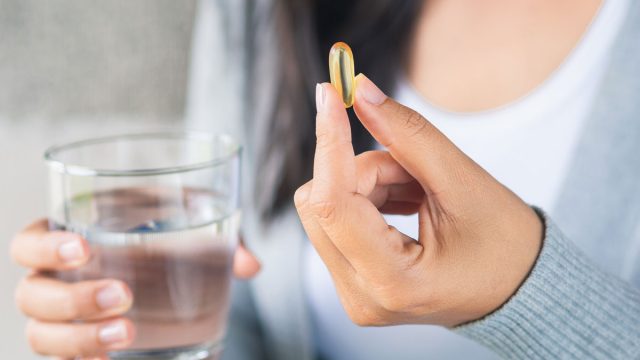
<point x="161" y="212"/>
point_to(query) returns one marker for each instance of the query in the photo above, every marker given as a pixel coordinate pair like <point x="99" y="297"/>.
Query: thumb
<point x="426" y="154"/>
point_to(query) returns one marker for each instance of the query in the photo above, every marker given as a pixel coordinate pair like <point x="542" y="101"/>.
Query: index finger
<point x="351" y="221"/>
<point x="334" y="168"/>
<point x="38" y="248"/>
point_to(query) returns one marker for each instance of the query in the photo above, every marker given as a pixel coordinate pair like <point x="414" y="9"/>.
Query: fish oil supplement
<point x="342" y="72"/>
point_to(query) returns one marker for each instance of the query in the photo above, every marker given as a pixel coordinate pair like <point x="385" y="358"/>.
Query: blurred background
<point x="71" y="69"/>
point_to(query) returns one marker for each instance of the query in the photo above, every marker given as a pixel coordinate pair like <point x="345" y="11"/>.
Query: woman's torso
<point x="526" y="144"/>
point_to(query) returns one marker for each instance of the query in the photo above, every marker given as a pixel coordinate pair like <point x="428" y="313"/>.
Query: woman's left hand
<point x="477" y="240"/>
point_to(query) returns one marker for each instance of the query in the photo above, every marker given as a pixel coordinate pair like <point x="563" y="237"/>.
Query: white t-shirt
<point x="527" y="145"/>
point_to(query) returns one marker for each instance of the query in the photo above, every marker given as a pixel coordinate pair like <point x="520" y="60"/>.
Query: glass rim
<point x="81" y="170"/>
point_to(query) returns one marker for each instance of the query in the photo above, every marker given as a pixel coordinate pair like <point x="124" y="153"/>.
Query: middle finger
<point x="49" y="299"/>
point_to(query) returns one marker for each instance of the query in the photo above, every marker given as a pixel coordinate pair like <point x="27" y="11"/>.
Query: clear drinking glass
<point x="160" y="212"/>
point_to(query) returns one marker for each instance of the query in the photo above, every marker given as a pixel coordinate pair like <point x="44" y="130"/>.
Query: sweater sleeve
<point x="566" y="309"/>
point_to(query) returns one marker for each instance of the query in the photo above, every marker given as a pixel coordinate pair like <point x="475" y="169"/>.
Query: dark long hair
<point x="378" y="32"/>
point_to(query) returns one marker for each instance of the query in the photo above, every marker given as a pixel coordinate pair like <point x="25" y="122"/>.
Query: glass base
<point x="198" y="352"/>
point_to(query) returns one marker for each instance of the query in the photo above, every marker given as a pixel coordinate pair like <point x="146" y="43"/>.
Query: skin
<point x="53" y="306"/>
<point x="477" y="239"/>
<point x="462" y="48"/>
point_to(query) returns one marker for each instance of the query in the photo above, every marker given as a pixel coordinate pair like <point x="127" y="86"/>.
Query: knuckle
<point x="355" y="315"/>
<point x="365" y="316"/>
<point x="368" y="155"/>
<point x="411" y="118"/>
<point x="323" y="140"/>
<point x="325" y="210"/>
<point x="361" y="312"/>
<point x="327" y="143"/>
<point x="415" y="123"/>
<point x="372" y="158"/>
<point x="301" y="195"/>
<point x="360" y="319"/>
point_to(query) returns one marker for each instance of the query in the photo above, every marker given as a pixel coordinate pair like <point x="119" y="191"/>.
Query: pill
<point x="342" y="73"/>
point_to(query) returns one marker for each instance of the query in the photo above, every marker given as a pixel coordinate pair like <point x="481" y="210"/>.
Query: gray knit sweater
<point x="567" y="308"/>
<point x="581" y="299"/>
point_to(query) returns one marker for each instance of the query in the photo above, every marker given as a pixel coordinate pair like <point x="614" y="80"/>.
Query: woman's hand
<point x="477" y="240"/>
<point x="55" y="306"/>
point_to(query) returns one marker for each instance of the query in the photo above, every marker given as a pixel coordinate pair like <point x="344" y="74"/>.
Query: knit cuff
<point x="565" y="309"/>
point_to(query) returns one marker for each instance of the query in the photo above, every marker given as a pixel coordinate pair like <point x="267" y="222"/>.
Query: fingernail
<point x="113" y="333"/>
<point x="71" y="251"/>
<point x="320" y="97"/>
<point x="111" y="296"/>
<point x="366" y="89"/>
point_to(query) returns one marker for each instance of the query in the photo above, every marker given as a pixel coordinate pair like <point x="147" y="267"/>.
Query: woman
<point x="542" y="95"/>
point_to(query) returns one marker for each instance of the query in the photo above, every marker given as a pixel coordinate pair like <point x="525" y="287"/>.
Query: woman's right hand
<point x="54" y="307"/>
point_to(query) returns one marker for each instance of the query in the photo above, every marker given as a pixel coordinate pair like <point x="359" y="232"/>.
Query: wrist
<point x="523" y="246"/>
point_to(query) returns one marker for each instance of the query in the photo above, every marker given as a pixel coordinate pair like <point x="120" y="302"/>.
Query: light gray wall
<point x="71" y="69"/>
<point x="69" y="56"/>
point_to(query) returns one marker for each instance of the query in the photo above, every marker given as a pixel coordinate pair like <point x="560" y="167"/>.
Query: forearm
<point x="567" y="308"/>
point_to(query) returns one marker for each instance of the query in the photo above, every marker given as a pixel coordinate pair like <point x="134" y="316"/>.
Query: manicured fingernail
<point x="71" y="251"/>
<point x="112" y="296"/>
<point x="320" y="97"/>
<point x="113" y="333"/>
<point x="368" y="91"/>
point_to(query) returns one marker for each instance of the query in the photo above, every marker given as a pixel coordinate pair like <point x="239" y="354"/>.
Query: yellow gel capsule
<point x="342" y="72"/>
